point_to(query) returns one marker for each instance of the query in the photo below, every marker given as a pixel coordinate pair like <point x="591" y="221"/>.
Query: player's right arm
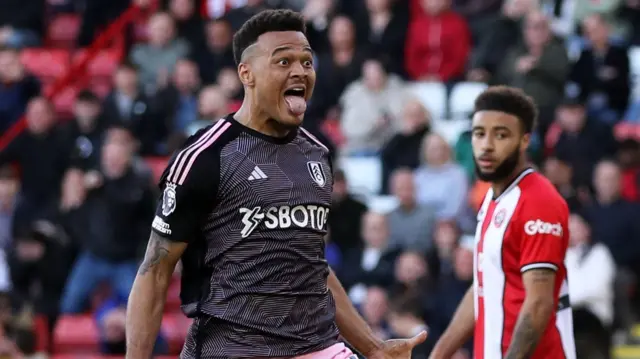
<point x="189" y="186"/>
<point x="459" y="331"/>
<point x="148" y="295"/>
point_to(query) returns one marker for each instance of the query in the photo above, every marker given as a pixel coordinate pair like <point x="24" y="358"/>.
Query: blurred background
<point x="95" y="94"/>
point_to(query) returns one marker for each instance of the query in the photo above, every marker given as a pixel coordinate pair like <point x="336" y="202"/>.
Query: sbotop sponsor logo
<point x="309" y="216"/>
<point x="537" y="226"/>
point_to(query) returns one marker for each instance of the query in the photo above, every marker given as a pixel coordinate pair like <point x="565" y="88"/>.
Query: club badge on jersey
<point x="169" y="199"/>
<point x="315" y="170"/>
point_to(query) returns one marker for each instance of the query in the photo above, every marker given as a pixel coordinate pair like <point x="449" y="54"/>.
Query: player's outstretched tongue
<point x="297" y="104"/>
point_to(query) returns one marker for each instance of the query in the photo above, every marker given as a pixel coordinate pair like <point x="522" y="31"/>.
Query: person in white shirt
<point x="591" y="273"/>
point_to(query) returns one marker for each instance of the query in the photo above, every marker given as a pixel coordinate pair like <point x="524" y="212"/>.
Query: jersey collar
<point x="515" y="182"/>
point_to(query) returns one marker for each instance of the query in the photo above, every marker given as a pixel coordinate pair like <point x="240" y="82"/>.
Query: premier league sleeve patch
<point x="169" y="199"/>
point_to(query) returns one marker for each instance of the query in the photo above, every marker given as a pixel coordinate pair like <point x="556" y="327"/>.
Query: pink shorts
<point x="336" y="351"/>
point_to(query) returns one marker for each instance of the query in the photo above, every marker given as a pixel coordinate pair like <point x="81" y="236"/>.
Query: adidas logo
<point x="257" y="174"/>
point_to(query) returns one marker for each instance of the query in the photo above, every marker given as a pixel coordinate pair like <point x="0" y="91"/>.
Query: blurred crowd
<point x="75" y="212"/>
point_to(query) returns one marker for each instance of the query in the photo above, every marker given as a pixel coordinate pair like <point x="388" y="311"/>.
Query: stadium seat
<point x="102" y="65"/>
<point x="364" y="174"/>
<point x="46" y="63"/>
<point x="463" y="96"/>
<point x="75" y="334"/>
<point x="63" y="102"/>
<point x="433" y="96"/>
<point x="451" y="130"/>
<point x="41" y="328"/>
<point x="173" y="296"/>
<point x="175" y="327"/>
<point x="157" y="166"/>
<point x="63" y="31"/>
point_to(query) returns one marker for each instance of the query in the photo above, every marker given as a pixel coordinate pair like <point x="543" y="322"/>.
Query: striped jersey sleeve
<point x="189" y="185"/>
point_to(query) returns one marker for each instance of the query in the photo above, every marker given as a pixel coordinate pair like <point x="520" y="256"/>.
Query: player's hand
<point x="398" y="348"/>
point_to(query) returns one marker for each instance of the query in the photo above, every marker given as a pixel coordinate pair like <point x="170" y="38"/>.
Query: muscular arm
<point x="352" y="326"/>
<point x="460" y="329"/>
<point x="535" y="313"/>
<point x="148" y="295"/>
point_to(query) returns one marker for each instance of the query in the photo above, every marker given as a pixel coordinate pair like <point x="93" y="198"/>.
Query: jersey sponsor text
<point x="539" y="227"/>
<point x="309" y="216"/>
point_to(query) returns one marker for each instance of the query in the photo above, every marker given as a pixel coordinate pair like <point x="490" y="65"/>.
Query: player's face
<point x="284" y="76"/>
<point x="498" y="144"/>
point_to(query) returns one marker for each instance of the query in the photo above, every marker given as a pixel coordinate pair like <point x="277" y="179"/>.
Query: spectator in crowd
<point x="576" y="141"/>
<point x="608" y="9"/>
<point x="406" y="317"/>
<point x="403" y="149"/>
<point x="189" y="24"/>
<point x="602" y="73"/>
<point x="631" y="13"/>
<point x="332" y="253"/>
<point x="346" y="215"/>
<point x="21" y="22"/>
<point x="414" y="275"/>
<point x="9" y="186"/>
<point x="375" y="309"/>
<point x="382" y="29"/>
<point x="371" y="265"/>
<point x="539" y="66"/>
<point x="176" y="105"/>
<point x="336" y="69"/>
<point x="632" y="113"/>
<point x="442" y="56"/>
<point x="411" y="225"/>
<point x="127" y="106"/>
<point x="505" y="34"/>
<point x="560" y="174"/>
<point x="17" y="88"/>
<point x="371" y="109"/>
<point x="157" y="58"/>
<point x="212" y="106"/>
<point x="111" y="317"/>
<point x="117" y="211"/>
<point x="629" y="159"/>
<point x="217" y="53"/>
<point x="317" y="14"/>
<point x="446" y="237"/>
<point x="451" y="289"/>
<point x="441" y="183"/>
<point x="231" y="86"/>
<point x="86" y="132"/>
<point x="43" y="158"/>
<point x="592" y="272"/>
<point x="613" y="220"/>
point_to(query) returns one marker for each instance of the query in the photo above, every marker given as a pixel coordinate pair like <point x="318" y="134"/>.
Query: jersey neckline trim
<point x="277" y="140"/>
<point x="514" y="183"/>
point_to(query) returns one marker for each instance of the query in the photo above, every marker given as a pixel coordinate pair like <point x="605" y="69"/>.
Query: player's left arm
<point x="542" y="250"/>
<point x="352" y="326"/>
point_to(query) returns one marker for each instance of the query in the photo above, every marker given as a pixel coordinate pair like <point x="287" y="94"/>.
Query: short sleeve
<point x="189" y="187"/>
<point x="544" y="236"/>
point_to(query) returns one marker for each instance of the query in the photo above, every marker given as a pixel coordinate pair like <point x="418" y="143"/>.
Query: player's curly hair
<point x="263" y="22"/>
<point x="509" y="100"/>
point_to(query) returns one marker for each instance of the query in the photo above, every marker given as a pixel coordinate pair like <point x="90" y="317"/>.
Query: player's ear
<point x="245" y="74"/>
<point x="525" y="141"/>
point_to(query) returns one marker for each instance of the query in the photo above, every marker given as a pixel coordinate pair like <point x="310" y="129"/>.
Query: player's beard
<point x="504" y="169"/>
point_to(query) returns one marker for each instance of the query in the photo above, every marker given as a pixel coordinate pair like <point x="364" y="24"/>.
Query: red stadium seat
<point x="41" y="328"/>
<point x="175" y="327"/>
<point x="173" y="296"/>
<point x="63" y="31"/>
<point x="104" y="63"/>
<point x="76" y="334"/>
<point x="157" y="166"/>
<point x="46" y="63"/>
<point x="63" y="102"/>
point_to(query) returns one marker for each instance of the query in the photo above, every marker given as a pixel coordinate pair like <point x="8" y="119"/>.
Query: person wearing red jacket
<point x="438" y="43"/>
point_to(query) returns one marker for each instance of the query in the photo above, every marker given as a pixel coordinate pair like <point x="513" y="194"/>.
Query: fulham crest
<point x="315" y="170"/>
<point x="169" y="199"/>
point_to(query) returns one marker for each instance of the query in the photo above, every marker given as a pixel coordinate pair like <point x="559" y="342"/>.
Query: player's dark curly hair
<point x="263" y="22"/>
<point x="509" y="100"/>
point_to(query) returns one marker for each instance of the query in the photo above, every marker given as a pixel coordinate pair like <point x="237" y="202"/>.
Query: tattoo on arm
<point x="533" y="321"/>
<point x="525" y="339"/>
<point x="157" y="249"/>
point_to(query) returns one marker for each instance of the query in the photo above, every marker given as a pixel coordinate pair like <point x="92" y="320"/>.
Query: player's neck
<point x="500" y="186"/>
<point x="252" y="117"/>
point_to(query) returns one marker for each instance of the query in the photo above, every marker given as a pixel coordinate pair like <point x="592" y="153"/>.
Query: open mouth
<point x="296" y="91"/>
